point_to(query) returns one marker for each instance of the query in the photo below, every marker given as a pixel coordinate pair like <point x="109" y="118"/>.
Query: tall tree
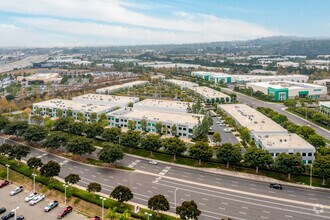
<point x="151" y="142"/>
<point x="72" y="179"/>
<point x="229" y="154"/>
<point x="76" y="128"/>
<point x="110" y="153"/>
<point x="289" y="163"/>
<point x="16" y="128"/>
<point x="174" y="146"/>
<point x="34" y="163"/>
<point x="3" y="122"/>
<point x="159" y="127"/>
<point x="143" y="124"/>
<point x="80" y="145"/>
<point x="316" y="140"/>
<point x="93" y="129"/>
<point x="62" y="124"/>
<point x="258" y="158"/>
<point x="216" y="137"/>
<point x="122" y="194"/>
<point x="321" y="167"/>
<point x="35" y="133"/>
<point x="131" y="125"/>
<point x="5" y="148"/>
<point x="188" y="210"/>
<point x="130" y="139"/>
<point x="111" y="135"/>
<point x="201" y="151"/>
<point x="94" y="187"/>
<point x="305" y="131"/>
<point x="55" y="140"/>
<point x="19" y="151"/>
<point x="50" y="169"/>
<point x="93" y="117"/>
<point x="173" y="129"/>
<point x="158" y="203"/>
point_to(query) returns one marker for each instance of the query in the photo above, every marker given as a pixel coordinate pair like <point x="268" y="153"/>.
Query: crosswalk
<point x="134" y="163"/>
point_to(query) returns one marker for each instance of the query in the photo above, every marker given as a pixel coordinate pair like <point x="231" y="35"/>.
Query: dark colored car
<point x="64" y="212"/>
<point x="21" y="217"/>
<point x="9" y="215"/>
<point x="2" y="210"/>
<point x="96" y="218"/>
<point x="51" y="206"/>
<point x="275" y="186"/>
<point x="4" y="183"/>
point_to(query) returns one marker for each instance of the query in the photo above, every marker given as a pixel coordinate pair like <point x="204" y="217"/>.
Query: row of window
<point x="303" y="154"/>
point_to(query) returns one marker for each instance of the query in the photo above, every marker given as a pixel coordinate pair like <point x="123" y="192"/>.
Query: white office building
<point x="106" y="100"/>
<point x="163" y="105"/>
<point x="117" y="88"/>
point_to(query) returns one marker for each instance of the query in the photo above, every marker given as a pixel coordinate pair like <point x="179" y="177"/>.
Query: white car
<point x="30" y="197"/>
<point x="37" y="199"/>
<point x="16" y="190"/>
<point x="227" y="130"/>
<point x="153" y="162"/>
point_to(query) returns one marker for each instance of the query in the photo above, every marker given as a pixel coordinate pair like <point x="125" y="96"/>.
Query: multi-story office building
<point x="289" y="90"/>
<point x="211" y="95"/>
<point x="117" y="88"/>
<point x="183" y="84"/>
<point x="184" y="122"/>
<point x="107" y="100"/>
<point x="163" y="105"/>
<point x="50" y="108"/>
<point x="325" y="108"/>
<point x="269" y="135"/>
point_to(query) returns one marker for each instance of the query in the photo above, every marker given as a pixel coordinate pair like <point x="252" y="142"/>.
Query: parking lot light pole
<point x="65" y="186"/>
<point x="14" y="210"/>
<point x="148" y="214"/>
<point x="34" y="182"/>
<point x="175" y="197"/>
<point x="7" y="165"/>
<point x="103" y="199"/>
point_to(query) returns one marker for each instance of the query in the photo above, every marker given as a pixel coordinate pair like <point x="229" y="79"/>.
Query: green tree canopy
<point x="80" y="145"/>
<point x="111" y="134"/>
<point x="50" y="169"/>
<point x="34" y="163"/>
<point x="122" y="194"/>
<point x="321" y="167"/>
<point x="151" y="142"/>
<point x="201" y="151"/>
<point x="35" y="133"/>
<point x="19" y="151"/>
<point x="110" y="153"/>
<point x="130" y="139"/>
<point x="5" y="148"/>
<point x="289" y="163"/>
<point x="158" y="203"/>
<point x="55" y="140"/>
<point x="76" y="128"/>
<point x="258" y="158"/>
<point x="188" y="210"/>
<point x="175" y="146"/>
<point x="316" y="140"/>
<point x="72" y="179"/>
<point x="93" y="129"/>
<point x="229" y="154"/>
<point x="305" y="131"/>
<point x="94" y="187"/>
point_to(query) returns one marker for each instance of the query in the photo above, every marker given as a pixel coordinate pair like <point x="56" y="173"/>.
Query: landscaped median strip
<point x="79" y="192"/>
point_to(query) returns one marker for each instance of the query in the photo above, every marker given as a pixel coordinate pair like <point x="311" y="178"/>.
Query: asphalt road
<point x="278" y="107"/>
<point x="216" y="195"/>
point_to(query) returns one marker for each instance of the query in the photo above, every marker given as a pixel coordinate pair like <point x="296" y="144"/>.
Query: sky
<point x="58" y="23"/>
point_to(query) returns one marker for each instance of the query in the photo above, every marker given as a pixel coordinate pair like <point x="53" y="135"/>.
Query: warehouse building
<point x="117" y="88"/>
<point x="269" y="135"/>
<point x="184" y="122"/>
<point x="211" y="95"/>
<point x="50" y="108"/>
<point x="163" y="105"/>
<point x="106" y="100"/>
<point x="289" y="90"/>
<point x="182" y="84"/>
<point x="325" y="108"/>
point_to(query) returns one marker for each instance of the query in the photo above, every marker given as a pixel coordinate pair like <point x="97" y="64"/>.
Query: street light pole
<point x="148" y="214"/>
<point x="34" y="182"/>
<point x="7" y="165"/>
<point x="311" y="176"/>
<point x="65" y="186"/>
<point x="14" y="210"/>
<point x="175" y="197"/>
<point x="103" y="199"/>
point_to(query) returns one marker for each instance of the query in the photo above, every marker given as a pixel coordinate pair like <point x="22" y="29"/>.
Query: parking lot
<point x="31" y="212"/>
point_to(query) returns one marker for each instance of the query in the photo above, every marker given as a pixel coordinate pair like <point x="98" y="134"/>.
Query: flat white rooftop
<point x="209" y="93"/>
<point x="182" y="83"/>
<point x="275" y="141"/>
<point x="286" y="84"/>
<point x="250" y="77"/>
<point x="108" y="100"/>
<point x="251" y="118"/>
<point x="325" y="104"/>
<point x="121" y="86"/>
<point x="163" y="105"/>
<point x="173" y="118"/>
<point x="69" y="104"/>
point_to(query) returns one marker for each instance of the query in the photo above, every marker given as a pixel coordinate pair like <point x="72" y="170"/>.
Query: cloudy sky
<point x="48" y="23"/>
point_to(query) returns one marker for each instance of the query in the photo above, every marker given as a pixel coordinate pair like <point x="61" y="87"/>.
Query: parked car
<point x="16" y="190"/>
<point x="275" y="186"/>
<point x="51" y="205"/>
<point x="64" y="212"/>
<point x="96" y="218"/>
<point x="4" y="183"/>
<point x="153" y="162"/>
<point x="9" y="215"/>
<point x="30" y="197"/>
<point x="21" y="217"/>
<point x="2" y="210"/>
<point x="37" y="199"/>
<point x="226" y="130"/>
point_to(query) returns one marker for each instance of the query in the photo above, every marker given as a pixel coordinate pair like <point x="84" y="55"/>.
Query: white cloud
<point x="112" y="22"/>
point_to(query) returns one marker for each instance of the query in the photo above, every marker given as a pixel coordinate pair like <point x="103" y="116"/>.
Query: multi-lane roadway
<point x="216" y="195"/>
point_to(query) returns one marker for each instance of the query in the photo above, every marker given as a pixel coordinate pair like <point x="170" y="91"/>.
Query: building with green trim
<point x="285" y="90"/>
<point x="325" y="108"/>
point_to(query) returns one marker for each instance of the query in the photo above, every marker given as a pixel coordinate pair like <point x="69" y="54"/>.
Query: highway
<point x="217" y="196"/>
<point x="278" y="108"/>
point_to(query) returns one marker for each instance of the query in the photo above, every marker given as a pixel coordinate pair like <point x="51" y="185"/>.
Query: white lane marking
<point x="266" y="212"/>
<point x="253" y="188"/>
<point x="271" y="192"/>
<point x="98" y="173"/>
<point x="253" y="185"/>
<point x="133" y="187"/>
<point x="64" y="162"/>
<point x="139" y="184"/>
<point x="164" y="171"/>
<point x="187" y="195"/>
<point x="224" y="203"/>
<point x="86" y="169"/>
<point x="149" y="191"/>
<point x="264" y="217"/>
<point x="311" y="194"/>
<point x="244" y="207"/>
<point x="124" y="180"/>
<point x="205" y="199"/>
<point x="81" y="172"/>
<point x="170" y="191"/>
<point x="221" y="208"/>
<point x="288" y="216"/>
<point x="201" y="203"/>
<point x="243" y="213"/>
<point x="75" y="166"/>
<point x="154" y="187"/>
<point x="70" y="168"/>
<point x="107" y="180"/>
<point x="93" y="176"/>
